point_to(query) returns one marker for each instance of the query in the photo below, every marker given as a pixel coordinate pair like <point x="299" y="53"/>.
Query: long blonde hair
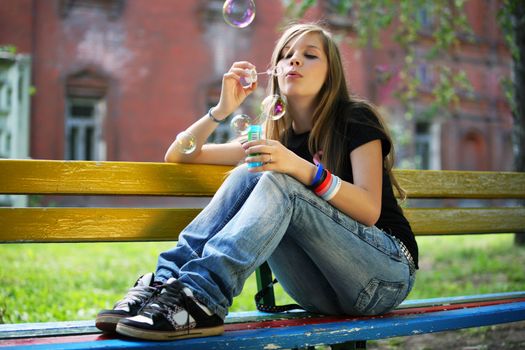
<point x="332" y="97"/>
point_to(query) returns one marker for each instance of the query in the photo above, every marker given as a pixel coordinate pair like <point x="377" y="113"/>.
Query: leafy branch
<point x="440" y="26"/>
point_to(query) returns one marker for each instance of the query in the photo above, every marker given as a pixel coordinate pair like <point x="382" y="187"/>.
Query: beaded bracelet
<point x="210" y="115"/>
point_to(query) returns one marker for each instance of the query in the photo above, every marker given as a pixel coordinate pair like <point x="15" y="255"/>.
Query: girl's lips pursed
<point x="293" y="74"/>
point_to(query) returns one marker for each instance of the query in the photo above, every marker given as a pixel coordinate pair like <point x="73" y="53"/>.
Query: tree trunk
<point x="518" y="21"/>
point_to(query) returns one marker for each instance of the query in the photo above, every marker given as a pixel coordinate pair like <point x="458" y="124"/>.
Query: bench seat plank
<point x="256" y="318"/>
<point x="314" y="334"/>
<point x="161" y="224"/>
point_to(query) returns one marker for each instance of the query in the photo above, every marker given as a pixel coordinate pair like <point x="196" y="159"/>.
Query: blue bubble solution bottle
<point x="254" y="133"/>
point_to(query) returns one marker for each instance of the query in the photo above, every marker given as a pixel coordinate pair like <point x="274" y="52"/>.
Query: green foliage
<point x="58" y="282"/>
<point x="466" y="265"/>
<point x="10" y="49"/>
<point x="444" y="22"/>
<point x="294" y="9"/>
<point x="511" y="20"/>
<point x="509" y="23"/>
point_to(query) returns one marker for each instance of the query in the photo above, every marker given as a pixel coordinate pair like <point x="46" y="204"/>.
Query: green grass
<point x="56" y="282"/>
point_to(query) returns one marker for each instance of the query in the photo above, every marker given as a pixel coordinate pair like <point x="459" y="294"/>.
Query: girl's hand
<point x="272" y="154"/>
<point x="232" y="93"/>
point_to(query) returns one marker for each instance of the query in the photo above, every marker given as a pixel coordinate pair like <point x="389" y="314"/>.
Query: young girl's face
<point x="305" y="66"/>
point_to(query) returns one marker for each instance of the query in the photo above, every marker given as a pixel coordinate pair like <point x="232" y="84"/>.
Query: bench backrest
<point x="161" y="179"/>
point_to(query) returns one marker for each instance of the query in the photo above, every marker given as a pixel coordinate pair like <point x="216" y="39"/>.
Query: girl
<point x="321" y="208"/>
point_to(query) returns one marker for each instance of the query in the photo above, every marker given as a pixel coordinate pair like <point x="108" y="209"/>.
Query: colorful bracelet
<point x="321" y="188"/>
<point x="318" y="176"/>
<point x="210" y="115"/>
<point x="333" y="190"/>
<point x="329" y="189"/>
<point x="324" y="175"/>
<point x="327" y="186"/>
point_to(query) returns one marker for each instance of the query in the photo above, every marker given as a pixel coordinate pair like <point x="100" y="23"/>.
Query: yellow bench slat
<point x="461" y="184"/>
<point x="141" y="224"/>
<point x="129" y="178"/>
<point x="443" y="221"/>
<point x="109" y="178"/>
<point x="92" y="224"/>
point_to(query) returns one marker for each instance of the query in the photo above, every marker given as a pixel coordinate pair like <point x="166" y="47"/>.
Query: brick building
<point x="118" y="79"/>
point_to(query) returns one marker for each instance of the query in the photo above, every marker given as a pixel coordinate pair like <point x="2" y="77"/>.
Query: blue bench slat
<point x="328" y="333"/>
<point x="12" y="331"/>
<point x="407" y="304"/>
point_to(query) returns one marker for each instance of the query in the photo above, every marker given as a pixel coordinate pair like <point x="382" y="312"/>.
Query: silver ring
<point x="270" y="158"/>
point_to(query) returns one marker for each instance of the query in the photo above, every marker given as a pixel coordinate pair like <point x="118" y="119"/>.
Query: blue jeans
<point x="326" y="261"/>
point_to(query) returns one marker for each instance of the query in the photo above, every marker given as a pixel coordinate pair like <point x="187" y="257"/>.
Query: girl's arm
<point x="360" y="200"/>
<point x="223" y="154"/>
<point x="232" y="95"/>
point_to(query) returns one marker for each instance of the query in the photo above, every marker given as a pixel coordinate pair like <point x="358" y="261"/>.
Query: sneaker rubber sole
<point x="108" y="323"/>
<point x="168" y="335"/>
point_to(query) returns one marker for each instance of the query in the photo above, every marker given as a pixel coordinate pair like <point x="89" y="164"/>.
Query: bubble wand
<point x="246" y="82"/>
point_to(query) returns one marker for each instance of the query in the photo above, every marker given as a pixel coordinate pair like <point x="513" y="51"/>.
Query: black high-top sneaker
<point x="172" y="313"/>
<point x="129" y="306"/>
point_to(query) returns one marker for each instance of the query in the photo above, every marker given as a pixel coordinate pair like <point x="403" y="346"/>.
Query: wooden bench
<point x="249" y="330"/>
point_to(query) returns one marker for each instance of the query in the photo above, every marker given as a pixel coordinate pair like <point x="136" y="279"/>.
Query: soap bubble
<point x="274" y="106"/>
<point x="240" y="124"/>
<point x="238" y="13"/>
<point x="185" y="142"/>
<point x="246" y="81"/>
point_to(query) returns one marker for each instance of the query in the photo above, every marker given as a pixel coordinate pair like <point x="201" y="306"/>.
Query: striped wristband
<point x="323" y="186"/>
<point x="318" y="178"/>
<point x="333" y="189"/>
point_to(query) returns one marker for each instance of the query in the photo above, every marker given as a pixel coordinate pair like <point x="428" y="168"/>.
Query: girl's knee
<point x="282" y="180"/>
<point x="241" y="174"/>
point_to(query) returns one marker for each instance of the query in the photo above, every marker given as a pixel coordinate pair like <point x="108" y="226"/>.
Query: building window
<point x="6" y="93"/>
<point x="423" y="141"/>
<point x="84" y="129"/>
<point x="426" y="18"/>
<point x="113" y="8"/>
<point x="425" y="75"/>
<point x="212" y="11"/>
<point x="5" y="142"/>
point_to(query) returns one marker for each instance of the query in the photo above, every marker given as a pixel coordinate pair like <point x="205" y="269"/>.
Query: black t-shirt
<point x="355" y="127"/>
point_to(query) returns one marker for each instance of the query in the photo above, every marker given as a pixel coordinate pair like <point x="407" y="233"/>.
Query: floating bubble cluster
<point x="238" y="13"/>
<point x="185" y="142"/>
<point x="273" y="107"/>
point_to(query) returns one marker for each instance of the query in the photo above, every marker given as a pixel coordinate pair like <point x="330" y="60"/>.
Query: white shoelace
<point x="134" y="295"/>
